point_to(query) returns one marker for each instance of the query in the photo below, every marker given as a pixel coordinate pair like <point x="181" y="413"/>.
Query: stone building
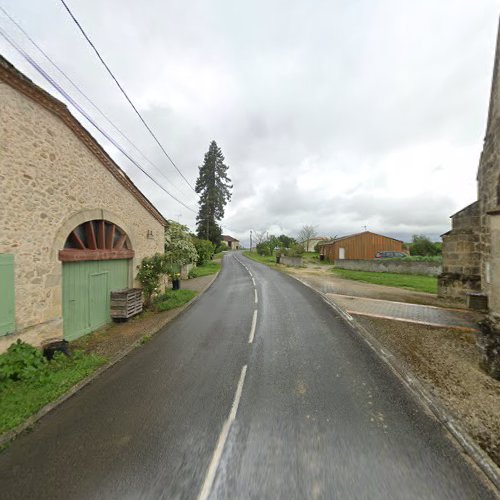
<point x="230" y="242"/>
<point x="73" y="226"/>
<point x="471" y="250"/>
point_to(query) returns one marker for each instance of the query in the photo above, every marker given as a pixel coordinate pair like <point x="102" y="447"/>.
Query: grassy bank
<point x="172" y="299"/>
<point x="210" y="267"/>
<point x="313" y="258"/>
<point x="263" y="259"/>
<point x="426" y="284"/>
<point x="28" y="381"/>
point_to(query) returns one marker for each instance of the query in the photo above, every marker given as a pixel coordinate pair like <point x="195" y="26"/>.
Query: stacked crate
<point x="126" y="303"/>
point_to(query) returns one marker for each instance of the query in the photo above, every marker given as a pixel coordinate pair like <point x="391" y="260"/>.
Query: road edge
<point x="7" y="437"/>
<point x="420" y="391"/>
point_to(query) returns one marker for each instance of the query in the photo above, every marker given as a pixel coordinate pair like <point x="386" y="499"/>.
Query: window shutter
<point x="7" y="298"/>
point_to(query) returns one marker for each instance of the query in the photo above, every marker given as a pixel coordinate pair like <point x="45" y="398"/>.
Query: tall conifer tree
<point x="214" y="187"/>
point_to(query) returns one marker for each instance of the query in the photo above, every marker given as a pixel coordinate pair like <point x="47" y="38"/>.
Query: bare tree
<point x="306" y="234"/>
<point x="259" y="237"/>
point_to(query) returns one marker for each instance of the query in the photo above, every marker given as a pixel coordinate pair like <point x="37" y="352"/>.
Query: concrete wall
<point x="391" y="266"/>
<point x="50" y="182"/>
<point x="291" y="261"/>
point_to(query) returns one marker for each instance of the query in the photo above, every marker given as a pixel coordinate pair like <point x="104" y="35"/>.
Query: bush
<point x="179" y="248"/>
<point x="422" y="245"/>
<point x="205" y="249"/>
<point x="263" y="249"/>
<point x="295" y="251"/>
<point x="150" y="272"/>
<point x="21" y="361"/>
<point x="28" y="381"/>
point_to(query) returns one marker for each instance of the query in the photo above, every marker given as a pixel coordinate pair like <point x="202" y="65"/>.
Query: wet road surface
<point x="259" y="390"/>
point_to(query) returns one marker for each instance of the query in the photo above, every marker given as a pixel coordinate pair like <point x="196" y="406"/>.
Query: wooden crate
<point x="126" y="303"/>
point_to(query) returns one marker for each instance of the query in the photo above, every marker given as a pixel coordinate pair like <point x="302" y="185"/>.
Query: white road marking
<point x="253" y="281"/>
<point x="254" y="324"/>
<point x="214" y="463"/>
<point x="256" y="298"/>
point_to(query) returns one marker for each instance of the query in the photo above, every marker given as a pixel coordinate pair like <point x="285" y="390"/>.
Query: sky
<point x="338" y="114"/>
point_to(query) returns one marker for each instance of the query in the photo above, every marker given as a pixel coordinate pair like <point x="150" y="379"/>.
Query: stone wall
<point x="185" y="270"/>
<point x="471" y="250"/>
<point x="391" y="266"/>
<point x="461" y="255"/>
<point x="50" y="183"/>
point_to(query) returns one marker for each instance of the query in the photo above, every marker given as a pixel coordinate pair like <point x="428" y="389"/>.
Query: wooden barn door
<point x="86" y="294"/>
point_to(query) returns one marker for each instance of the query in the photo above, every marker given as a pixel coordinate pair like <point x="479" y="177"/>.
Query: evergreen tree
<point x="213" y="186"/>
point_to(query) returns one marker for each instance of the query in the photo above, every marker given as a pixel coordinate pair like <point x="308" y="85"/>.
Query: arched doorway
<point x="96" y="260"/>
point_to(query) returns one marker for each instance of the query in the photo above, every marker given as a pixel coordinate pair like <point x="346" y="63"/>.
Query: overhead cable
<point x="123" y="91"/>
<point x="58" y="87"/>
<point x="80" y="91"/>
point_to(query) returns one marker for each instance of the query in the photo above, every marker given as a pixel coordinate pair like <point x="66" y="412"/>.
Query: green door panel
<point x="98" y="299"/>
<point x="86" y="293"/>
<point x="7" y="297"/>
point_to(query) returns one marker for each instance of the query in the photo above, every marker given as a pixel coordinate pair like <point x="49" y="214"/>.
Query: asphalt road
<point x="224" y="403"/>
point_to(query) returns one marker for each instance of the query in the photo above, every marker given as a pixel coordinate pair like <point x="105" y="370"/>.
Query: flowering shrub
<point x="179" y="248"/>
<point x="150" y="272"/>
<point x="205" y="250"/>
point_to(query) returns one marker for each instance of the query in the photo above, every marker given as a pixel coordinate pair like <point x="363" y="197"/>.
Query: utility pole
<point x="250" y="240"/>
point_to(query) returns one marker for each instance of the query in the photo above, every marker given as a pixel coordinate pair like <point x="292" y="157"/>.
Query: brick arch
<point x="78" y="218"/>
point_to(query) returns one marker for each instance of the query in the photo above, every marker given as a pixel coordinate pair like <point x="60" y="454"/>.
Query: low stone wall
<point x="185" y="270"/>
<point x="291" y="261"/>
<point x="391" y="266"/>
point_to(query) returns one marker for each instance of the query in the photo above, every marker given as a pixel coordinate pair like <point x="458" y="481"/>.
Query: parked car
<point x="390" y="255"/>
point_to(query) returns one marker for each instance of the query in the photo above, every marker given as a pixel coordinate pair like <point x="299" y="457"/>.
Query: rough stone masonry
<point x="471" y="250"/>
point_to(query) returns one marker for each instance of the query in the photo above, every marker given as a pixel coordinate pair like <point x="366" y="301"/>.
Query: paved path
<point x="412" y="313"/>
<point x="260" y="390"/>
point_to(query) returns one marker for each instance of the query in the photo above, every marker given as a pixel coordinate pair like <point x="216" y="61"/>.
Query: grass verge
<point x="263" y="259"/>
<point x="172" y="299"/>
<point x="313" y="258"/>
<point x="426" y="284"/>
<point x="19" y="399"/>
<point x="206" y="269"/>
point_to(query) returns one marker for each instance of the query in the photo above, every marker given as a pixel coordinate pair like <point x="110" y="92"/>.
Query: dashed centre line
<point x="214" y="463"/>
<point x="254" y="324"/>
<point x="256" y="297"/>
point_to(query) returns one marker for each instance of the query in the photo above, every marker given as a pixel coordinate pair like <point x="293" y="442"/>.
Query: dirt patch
<point x="114" y="338"/>
<point x="448" y="362"/>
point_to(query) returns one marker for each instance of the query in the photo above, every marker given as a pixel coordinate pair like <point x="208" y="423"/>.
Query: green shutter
<point x="86" y="294"/>
<point x="7" y="298"/>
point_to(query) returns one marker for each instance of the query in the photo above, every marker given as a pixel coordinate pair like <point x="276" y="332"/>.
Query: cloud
<point x="336" y="114"/>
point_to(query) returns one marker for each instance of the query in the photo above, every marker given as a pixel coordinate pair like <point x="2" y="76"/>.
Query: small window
<point x="7" y="298"/>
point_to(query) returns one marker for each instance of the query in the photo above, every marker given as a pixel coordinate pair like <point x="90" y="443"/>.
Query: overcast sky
<point x="334" y="113"/>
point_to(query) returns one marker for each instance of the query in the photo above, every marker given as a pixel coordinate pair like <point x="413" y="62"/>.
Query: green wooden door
<point x="7" y="298"/>
<point x="98" y="299"/>
<point x="86" y="294"/>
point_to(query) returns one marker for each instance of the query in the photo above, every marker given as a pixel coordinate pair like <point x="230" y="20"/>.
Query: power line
<point x="123" y="91"/>
<point x="49" y="79"/>
<point x="88" y="99"/>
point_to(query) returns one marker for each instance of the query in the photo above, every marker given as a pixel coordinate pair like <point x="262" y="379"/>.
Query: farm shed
<point x="359" y="246"/>
<point x="73" y="226"/>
